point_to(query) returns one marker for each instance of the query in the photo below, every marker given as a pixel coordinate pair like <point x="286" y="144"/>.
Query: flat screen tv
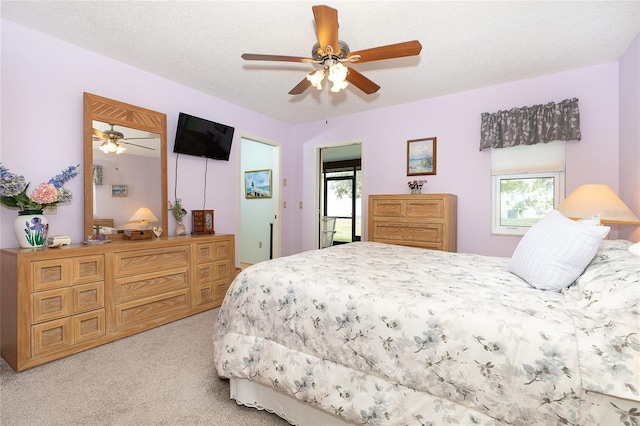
<point x="203" y="138"/>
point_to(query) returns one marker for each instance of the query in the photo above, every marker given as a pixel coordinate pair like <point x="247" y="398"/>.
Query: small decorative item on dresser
<point x="416" y="186"/>
<point x="137" y="234"/>
<point x="31" y="226"/>
<point x="202" y="222"/>
<point x="178" y="213"/>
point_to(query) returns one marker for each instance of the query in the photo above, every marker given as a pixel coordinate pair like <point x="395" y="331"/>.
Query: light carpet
<point x="163" y="376"/>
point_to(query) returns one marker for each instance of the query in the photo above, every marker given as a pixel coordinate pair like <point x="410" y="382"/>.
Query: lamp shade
<point x="143" y="215"/>
<point x="591" y="199"/>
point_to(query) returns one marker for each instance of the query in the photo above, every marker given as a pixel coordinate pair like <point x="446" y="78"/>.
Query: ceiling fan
<point x="330" y="53"/>
<point x="113" y="141"/>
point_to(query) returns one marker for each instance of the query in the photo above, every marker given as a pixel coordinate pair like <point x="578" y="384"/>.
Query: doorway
<point x="259" y="238"/>
<point x="340" y="192"/>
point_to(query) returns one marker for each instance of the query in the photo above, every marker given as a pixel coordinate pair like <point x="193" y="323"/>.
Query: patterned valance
<point x="531" y="125"/>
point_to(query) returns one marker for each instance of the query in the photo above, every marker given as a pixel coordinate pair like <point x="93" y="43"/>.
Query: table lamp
<point x="593" y="199"/>
<point x="144" y="215"/>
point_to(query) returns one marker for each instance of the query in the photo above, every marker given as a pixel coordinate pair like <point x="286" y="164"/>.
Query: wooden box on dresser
<point x="418" y="220"/>
<point x="59" y="301"/>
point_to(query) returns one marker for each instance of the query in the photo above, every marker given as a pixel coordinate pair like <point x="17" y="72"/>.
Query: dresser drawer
<point x="53" y="273"/>
<point x="222" y="269"/>
<point x="50" y="336"/>
<point x="208" y="252"/>
<point x="205" y="294"/>
<point x="387" y="208"/>
<point x="143" y="311"/>
<point x="408" y="208"/>
<point x="143" y="261"/>
<point x="204" y="273"/>
<point x="209" y="272"/>
<point x="149" y="285"/>
<point x="426" y="209"/>
<point x="89" y="325"/>
<point x="87" y="269"/>
<point x="87" y="297"/>
<point x="48" y="305"/>
<point x="407" y="232"/>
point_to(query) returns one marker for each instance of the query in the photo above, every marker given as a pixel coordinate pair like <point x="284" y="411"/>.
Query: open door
<point x="259" y="238"/>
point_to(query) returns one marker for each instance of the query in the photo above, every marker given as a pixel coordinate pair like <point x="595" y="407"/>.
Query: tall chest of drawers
<point x="418" y="220"/>
<point x="56" y="302"/>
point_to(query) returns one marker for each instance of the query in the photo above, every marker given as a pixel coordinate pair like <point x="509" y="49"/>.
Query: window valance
<point x="531" y="125"/>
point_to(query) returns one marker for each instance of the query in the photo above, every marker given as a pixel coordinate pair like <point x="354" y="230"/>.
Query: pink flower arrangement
<point x="46" y="193"/>
<point x="416" y="184"/>
<point x="13" y="190"/>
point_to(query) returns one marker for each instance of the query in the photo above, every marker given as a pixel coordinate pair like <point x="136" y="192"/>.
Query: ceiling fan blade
<point x="259" y="57"/>
<point x="361" y="82"/>
<point x="148" y="137"/>
<point x="100" y="134"/>
<point x="301" y="87"/>
<point x="326" y="27"/>
<point x="134" y="144"/>
<point x="399" y="50"/>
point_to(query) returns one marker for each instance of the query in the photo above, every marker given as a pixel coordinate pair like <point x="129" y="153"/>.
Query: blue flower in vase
<point x="37" y="226"/>
<point x="36" y="232"/>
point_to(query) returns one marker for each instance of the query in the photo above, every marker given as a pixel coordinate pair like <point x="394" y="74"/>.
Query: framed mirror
<point x="125" y="165"/>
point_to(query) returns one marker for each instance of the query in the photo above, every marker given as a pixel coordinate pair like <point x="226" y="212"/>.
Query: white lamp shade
<point x="588" y="200"/>
<point x="316" y="78"/>
<point x="143" y="215"/>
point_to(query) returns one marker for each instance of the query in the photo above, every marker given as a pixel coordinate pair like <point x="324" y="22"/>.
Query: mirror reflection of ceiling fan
<point x="330" y="54"/>
<point x="113" y="141"/>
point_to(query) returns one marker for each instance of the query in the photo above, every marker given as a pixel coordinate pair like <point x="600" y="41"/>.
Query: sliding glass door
<point x="342" y="182"/>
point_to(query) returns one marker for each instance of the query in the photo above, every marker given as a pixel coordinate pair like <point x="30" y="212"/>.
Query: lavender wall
<point x="630" y="134"/>
<point x="43" y="80"/>
<point x="461" y="168"/>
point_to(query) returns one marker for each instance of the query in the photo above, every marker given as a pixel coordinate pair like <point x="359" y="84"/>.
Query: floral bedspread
<point x="385" y="334"/>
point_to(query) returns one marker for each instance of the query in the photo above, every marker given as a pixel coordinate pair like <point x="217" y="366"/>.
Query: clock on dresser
<point x="202" y="222"/>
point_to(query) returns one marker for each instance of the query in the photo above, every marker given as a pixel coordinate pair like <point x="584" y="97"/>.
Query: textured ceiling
<point x="466" y="45"/>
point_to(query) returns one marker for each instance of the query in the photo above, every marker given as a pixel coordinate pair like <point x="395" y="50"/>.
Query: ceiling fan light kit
<point x="110" y="146"/>
<point x="330" y="53"/>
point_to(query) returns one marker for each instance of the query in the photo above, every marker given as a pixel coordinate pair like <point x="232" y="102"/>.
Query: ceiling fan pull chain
<point x="326" y="104"/>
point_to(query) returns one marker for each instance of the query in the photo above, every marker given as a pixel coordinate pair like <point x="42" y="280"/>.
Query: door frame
<point x="318" y="191"/>
<point x="276" y="186"/>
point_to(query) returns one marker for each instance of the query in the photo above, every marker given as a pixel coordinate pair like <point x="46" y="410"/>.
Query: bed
<point x="373" y="333"/>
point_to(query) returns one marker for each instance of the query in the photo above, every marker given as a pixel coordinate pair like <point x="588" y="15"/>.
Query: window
<point x="527" y="183"/>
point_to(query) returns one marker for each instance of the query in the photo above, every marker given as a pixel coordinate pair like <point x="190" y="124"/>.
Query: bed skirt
<point x="256" y="395"/>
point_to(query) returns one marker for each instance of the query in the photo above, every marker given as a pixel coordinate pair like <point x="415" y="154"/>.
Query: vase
<point x="180" y="230"/>
<point x="416" y="190"/>
<point x="31" y="228"/>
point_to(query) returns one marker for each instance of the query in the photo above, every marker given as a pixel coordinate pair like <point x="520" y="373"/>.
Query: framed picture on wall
<point x="421" y="157"/>
<point x="118" y="190"/>
<point x="257" y="183"/>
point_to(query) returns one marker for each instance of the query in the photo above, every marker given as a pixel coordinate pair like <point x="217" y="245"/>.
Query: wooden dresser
<point x="59" y="301"/>
<point x="418" y="220"/>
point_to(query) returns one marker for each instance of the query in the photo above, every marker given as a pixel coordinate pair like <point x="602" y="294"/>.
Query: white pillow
<point x="635" y="249"/>
<point x="555" y="251"/>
